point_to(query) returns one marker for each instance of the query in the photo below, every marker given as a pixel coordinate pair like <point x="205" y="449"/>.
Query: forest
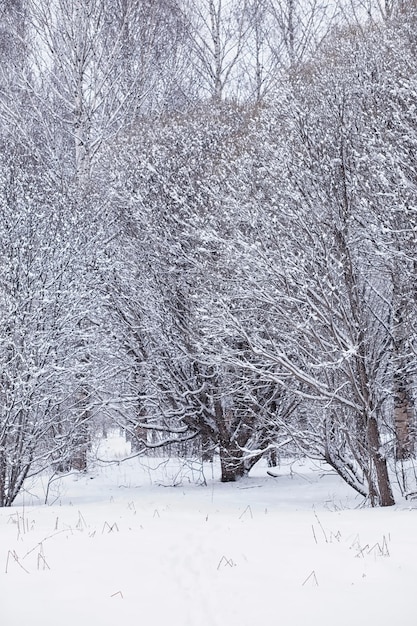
<point x="208" y="234"/>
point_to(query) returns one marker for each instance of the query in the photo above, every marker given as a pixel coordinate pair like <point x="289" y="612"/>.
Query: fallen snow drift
<point x="123" y="546"/>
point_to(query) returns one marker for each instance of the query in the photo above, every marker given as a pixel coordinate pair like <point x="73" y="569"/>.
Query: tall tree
<point x="320" y="275"/>
<point x="181" y="198"/>
<point x="218" y="32"/>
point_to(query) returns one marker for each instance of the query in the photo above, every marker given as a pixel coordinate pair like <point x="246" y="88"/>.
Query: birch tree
<point x="218" y="32"/>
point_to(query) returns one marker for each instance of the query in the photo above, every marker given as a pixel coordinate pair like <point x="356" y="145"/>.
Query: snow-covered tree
<point x="42" y="301"/>
<point x="179" y="202"/>
<point x="322" y="275"/>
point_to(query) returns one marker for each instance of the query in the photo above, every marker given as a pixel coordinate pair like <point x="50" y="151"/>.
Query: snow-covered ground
<point x="122" y="545"/>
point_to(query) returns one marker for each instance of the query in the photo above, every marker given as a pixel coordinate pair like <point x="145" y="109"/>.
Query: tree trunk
<point x="403" y="305"/>
<point x="207" y="447"/>
<point x="231" y="462"/>
<point x="2" y="479"/>
<point x="82" y="444"/>
<point x="385" y="495"/>
<point x="403" y="420"/>
<point x="272" y="458"/>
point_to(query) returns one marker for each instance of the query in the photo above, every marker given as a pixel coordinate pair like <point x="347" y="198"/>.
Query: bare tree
<point x="320" y="279"/>
<point x="218" y="32"/>
<point x="179" y="198"/>
<point x="41" y="302"/>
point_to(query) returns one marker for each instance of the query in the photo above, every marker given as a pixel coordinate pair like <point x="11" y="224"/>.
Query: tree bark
<point x="385" y="495"/>
<point x="403" y="420"/>
<point x="231" y="462"/>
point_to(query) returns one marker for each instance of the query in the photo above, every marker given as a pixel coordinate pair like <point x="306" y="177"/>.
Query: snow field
<point x="116" y="549"/>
